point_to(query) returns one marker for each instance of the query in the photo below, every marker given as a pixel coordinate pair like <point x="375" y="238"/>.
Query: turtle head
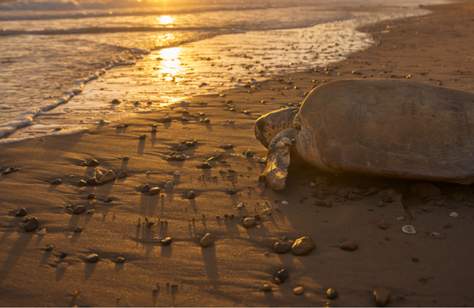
<point x="270" y="124"/>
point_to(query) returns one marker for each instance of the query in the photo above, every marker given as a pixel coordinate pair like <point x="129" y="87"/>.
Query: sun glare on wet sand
<point x="170" y="66"/>
<point x="165" y="20"/>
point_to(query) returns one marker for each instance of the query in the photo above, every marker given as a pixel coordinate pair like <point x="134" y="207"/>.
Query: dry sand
<point x="432" y="267"/>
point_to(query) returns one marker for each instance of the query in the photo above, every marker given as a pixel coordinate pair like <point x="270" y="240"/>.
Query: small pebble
<point x="120" y="260"/>
<point x="349" y="246"/>
<point x="166" y="241"/>
<point x="57" y="181"/>
<point x="381" y="297"/>
<point x="331" y="293"/>
<point x="30" y="224"/>
<point x="299" y="290"/>
<point x="21" y="212"/>
<point x="282" y="246"/>
<point x="281" y="275"/>
<point x="266" y="287"/>
<point x="409" y="229"/>
<point x="92" y="258"/>
<point x="249" y="222"/>
<point x="302" y="246"/>
<point x="207" y="240"/>
<point x="79" y="209"/>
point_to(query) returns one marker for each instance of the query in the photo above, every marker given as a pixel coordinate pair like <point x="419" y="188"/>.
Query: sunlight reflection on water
<point x="170" y="65"/>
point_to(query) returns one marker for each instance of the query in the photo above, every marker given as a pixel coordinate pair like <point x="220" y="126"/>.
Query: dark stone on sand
<point x="302" y="246"/>
<point x="48" y="247"/>
<point x="166" y="241"/>
<point x="248" y="154"/>
<point x="8" y="170"/>
<point x="207" y="240"/>
<point x="190" y="194"/>
<point x="281" y="275"/>
<point x="176" y="157"/>
<point x="78" y="209"/>
<point x="57" y="181"/>
<point x="92" y="162"/>
<point x="349" y="246"/>
<point x="331" y="293"/>
<point x="381" y="297"/>
<point x="144" y="188"/>
<point x="154" y="190"/>
<point x="92" y="258"/>
<point x="249" y="222"/>
<point x="21" y="212"/>
<point x="30" y="224"/>
<point x="205" y="165"/>
<point x="227" y="146"/>
<point x="282" y="246"/>
<point x="266" y="288"/>
<point x="115" y="101"/>
<point x="120" y="260"/>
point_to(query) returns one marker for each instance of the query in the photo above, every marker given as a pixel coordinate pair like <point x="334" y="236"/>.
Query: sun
<point x="165" y="20"/>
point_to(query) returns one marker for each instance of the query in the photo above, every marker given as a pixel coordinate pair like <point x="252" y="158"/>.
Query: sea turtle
<point x="391" y="128"/>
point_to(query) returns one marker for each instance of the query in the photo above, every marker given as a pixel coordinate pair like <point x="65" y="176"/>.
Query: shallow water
<point x="61" y="68"/>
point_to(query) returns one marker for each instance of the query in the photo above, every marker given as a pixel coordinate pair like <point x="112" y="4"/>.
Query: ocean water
<point x="62" y="62"/>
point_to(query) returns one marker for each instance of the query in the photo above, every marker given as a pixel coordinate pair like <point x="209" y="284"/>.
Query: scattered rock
<point x="92" y="162"/>
<point x="190" y="194"/>
<point x="166" y="241"/>
<point x="79" y="209"/>
<point x="105" y="176"/>
<point x="92" y="258"/>
<point x="21" y="212"/>
<point x="8" y="170"/>
<point x="249" y="222"/>
<point x="30" y="224"/>
<point x="57" y="181"/>
<point x="281" y="275"/>
<point x="454" y="214"/>
<point x="349" y="246"/>
<point x="154" y="190"/>
<point x="115" y="101"/>
<point x="266" y="288"/>
<point x="381" y="297"/>
<point x="302" y="246"/>
<point x="227" y="146"/>
<point x="207" y="240"/>
<point x="282" y="246"/>
<point x="48" y="247"/>
<point x="204" y="165"/>
<point x="120" y="260"/>
<point x="331" y="293"/>
<point x="299" y="290"/>
<point x="409" y="229"/>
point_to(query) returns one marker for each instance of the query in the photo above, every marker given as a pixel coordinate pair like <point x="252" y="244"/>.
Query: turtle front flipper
<point x="278" y="159"/>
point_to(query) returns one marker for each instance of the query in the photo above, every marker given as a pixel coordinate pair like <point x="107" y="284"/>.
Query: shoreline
<point x="421" y="269"/>
<point x="45" y="122"/>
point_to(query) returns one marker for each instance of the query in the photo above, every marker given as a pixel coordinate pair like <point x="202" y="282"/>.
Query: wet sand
<point x="432" y="267"/>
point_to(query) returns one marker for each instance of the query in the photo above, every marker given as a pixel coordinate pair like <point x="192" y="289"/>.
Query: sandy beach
<point x="171" y="176"/>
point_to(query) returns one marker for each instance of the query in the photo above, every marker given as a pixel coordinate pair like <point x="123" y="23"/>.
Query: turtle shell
<point x="390" y="128"/>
